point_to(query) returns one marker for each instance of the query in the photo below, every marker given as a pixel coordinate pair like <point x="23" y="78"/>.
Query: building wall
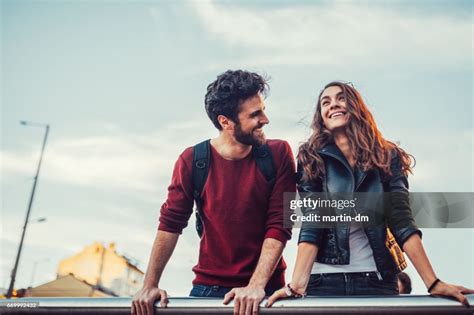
<point x="99" y="265"/>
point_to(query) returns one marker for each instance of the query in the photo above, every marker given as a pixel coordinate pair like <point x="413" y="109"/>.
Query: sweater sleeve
<point x="285" y="182"/>
<point x="178" y="207"/>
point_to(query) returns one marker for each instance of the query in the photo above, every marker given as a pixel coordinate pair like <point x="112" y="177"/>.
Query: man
<point x="242" y="212"/>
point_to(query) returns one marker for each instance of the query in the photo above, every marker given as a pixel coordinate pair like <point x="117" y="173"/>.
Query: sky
<point x="122" y="85"/>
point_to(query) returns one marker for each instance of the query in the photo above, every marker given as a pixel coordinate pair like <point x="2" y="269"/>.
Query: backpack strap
<point x="264" y="159"/>
<point x="201" y="163"/>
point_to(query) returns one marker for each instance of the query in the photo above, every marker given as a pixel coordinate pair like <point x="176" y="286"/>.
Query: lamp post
<point x="13" y="275"/>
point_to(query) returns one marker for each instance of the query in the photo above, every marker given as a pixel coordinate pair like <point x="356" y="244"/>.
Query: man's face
<point x="249" y="129"/>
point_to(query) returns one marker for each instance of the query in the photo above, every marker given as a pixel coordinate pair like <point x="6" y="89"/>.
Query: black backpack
<point x="202" y="160"/>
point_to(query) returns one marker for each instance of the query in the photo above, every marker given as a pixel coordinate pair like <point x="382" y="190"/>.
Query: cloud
<point x="96" y="161"/>
<point x="114" y="160"/>
<point x="328" y="33"/>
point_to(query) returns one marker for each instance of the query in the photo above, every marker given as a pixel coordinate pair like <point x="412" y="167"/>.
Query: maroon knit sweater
<point x="240" y="211"/>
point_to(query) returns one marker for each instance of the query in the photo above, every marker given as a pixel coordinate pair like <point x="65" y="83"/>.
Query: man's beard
<point x="249" y="138"/>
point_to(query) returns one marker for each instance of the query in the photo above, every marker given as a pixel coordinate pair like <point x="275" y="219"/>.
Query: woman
<point x="347" y="153"/>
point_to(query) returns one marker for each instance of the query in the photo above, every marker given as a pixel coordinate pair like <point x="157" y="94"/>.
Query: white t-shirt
<point x="361" y="256"/>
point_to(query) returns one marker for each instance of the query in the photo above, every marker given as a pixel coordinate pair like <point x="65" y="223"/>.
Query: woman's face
<point x="334" y="108"/>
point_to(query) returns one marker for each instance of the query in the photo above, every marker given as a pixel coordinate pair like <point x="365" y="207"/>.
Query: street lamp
<point x="13" y="275"/>
<point x="37" y="220"/>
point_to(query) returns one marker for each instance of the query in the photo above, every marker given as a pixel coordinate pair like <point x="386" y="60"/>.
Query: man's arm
<point x="247" y="299"/>
<point x="269" y="257"/>
<point x="144" y="300"/>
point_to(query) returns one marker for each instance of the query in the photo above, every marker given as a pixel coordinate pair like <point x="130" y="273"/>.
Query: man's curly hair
<point x="231" y="89"/>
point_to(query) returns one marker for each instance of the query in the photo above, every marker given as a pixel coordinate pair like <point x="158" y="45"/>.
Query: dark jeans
<point x="358" y="283"/>
<point x="200" y="290"/>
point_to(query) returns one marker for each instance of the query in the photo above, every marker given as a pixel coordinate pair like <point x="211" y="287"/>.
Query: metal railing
<point x="404" y="304"/>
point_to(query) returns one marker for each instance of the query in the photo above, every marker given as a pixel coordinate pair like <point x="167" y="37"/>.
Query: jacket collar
<point x="332" y="150"/>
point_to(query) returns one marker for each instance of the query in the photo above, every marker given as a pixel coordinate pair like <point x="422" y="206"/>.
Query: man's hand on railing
<point x="246" y="299"/>
<point x="451" y="290"/>
<point x="143" y="302"/>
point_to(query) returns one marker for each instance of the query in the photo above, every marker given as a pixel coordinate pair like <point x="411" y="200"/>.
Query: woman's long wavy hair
<point x="369" y="149"/>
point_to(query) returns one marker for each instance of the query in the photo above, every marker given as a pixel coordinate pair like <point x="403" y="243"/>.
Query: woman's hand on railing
<point x="451" y="290"/>
<point x="277" y="295"/>
<point x="144" y="300"/>
<point x="287" y="291"/>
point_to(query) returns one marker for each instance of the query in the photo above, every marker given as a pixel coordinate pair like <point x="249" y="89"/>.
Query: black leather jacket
<point x="386" y="240"/>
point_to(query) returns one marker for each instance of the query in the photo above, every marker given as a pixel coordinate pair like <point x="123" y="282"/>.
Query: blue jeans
<point x="358" y="283"/>
<point x="200" y="290"/>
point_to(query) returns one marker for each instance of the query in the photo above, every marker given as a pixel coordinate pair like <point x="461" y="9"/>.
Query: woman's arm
<point x="305" y="258"/>
<point x="304" y="262"/>
<point x="413" y="247"/>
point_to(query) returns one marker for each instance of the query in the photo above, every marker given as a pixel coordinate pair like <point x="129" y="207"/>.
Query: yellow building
<point x="66" y="286"/>
<point x="103" y="267"/>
